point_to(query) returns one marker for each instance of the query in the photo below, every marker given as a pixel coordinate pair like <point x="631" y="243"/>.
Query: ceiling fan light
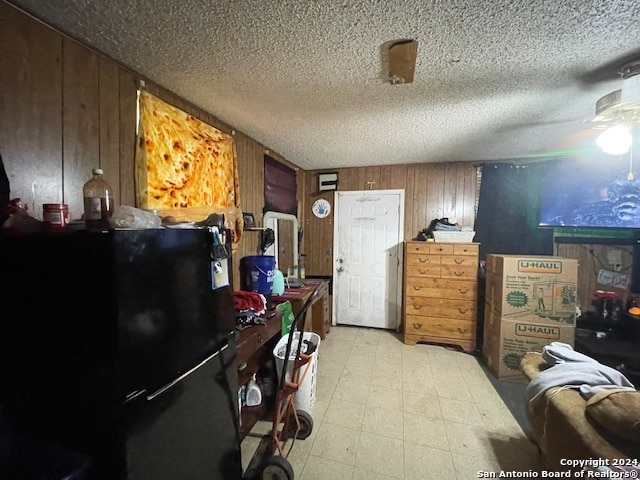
<point x="630" y="91"/>
<point x="615" y="140"/>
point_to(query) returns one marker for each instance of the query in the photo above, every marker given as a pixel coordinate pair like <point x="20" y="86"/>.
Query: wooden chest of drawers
<point x="440" y="291"/>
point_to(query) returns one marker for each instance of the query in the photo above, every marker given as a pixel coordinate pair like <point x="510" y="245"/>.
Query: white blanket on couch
<point x="575" y="370"/>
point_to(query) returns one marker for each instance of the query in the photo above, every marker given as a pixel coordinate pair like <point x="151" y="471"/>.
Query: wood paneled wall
<point x="591" y="259"/>
<point x="65" y="109"/>
<point x="432" y="190"/>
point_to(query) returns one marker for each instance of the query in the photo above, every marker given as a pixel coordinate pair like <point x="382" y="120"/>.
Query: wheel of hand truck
<point x="306" y="424"/>
<point x="276" y="468"/>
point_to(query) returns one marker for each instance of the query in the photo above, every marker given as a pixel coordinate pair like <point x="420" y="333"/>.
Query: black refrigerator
<point x="117" y="350"/>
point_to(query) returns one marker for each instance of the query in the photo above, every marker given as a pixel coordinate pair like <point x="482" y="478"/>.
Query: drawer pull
<point x="259" y="339"/>
<point x="417" y="287"/>
<point x="463" y="310"/>
<point x="423" y="260"/>
<point x="462" y="330"/>
<point x="417" y="306"/>
<point x="439" y="249"/>
<point x="458" y="274"/>
<point x="459" y="261"/>
<point x="417" y="325"/>
<point x="422" y="272"/>
<point x="463" y="290"/>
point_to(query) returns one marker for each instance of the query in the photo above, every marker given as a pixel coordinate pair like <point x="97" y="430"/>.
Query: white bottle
<point x="254" y="395"/>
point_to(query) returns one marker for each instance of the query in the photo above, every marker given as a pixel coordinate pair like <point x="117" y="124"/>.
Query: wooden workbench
<point x="254" y="349"/>
<point x="319" y="314"/>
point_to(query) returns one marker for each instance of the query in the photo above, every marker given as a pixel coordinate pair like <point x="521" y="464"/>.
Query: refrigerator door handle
<point x="166" y="387"/>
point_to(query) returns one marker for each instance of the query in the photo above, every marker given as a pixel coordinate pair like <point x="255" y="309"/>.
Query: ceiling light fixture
<point x="622" y="109"/>
<point x="615" y="140"/>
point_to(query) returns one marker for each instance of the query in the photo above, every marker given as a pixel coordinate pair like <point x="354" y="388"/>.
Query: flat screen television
<point x="593" y="193"/>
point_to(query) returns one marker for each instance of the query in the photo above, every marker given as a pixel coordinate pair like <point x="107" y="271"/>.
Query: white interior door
<point x="367" y="237"/>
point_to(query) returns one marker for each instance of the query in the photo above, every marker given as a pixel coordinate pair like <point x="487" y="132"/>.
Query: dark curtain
<point x="507" y="219"/>
<point x="279" y="187"/>
<point x="4" y="193"/>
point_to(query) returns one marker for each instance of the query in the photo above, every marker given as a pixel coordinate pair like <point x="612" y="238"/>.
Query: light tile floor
<point x="387" y="410"/>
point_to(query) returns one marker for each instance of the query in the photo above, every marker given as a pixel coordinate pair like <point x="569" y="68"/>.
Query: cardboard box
<point x="538" y="289"/>
<point x="507" y="340"/>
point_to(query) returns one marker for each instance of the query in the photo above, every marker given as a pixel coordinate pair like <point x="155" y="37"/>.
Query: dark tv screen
<point x="590" y="193"/>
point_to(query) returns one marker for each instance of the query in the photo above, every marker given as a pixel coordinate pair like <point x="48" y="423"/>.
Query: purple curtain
<point x="279" y="187"/>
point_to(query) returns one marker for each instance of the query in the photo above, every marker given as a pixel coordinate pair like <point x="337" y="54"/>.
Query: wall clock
<point x="321" y="208"/>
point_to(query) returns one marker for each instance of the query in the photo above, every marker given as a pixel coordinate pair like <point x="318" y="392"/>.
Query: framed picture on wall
<point x="249" y="220"/>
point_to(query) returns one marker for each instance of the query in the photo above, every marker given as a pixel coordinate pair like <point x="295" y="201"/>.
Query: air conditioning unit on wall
<point x="327" y="181"/>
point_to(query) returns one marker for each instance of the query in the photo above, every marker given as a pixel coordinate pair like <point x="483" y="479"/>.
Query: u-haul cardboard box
<point x="506" y="341"/>
<point x="539" y="289"/>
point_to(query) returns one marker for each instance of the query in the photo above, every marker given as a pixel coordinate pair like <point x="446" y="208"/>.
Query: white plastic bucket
<point x="305" y="397"/>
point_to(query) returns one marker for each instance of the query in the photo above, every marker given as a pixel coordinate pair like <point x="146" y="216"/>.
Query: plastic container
<point x="277" y="288"/>
<point x="125" y="216"/>
<point x="301" y="269"/>
<point x="253" y="395"/>
<point x="98" y="201"/>
<point x="267" y="376"/>
<point x="445" y="236"/>
<point x="305" y="397"/>
<point x="55" y="215"/>
<point x="256" y="273"/>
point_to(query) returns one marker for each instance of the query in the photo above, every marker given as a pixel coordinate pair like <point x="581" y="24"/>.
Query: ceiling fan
<point x="618" y="107"/>
<point x="617" y="116"/>
<point x="612" y="128"/>
<point x="619" y="112"/>
<point x="610" y="70"/>
<point x="622" y="104"/>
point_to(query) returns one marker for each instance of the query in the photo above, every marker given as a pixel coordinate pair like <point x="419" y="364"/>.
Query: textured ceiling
<point x="494" y="79"/>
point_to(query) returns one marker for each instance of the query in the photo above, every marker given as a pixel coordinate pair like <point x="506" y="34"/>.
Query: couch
<point x="569" y="427"/>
